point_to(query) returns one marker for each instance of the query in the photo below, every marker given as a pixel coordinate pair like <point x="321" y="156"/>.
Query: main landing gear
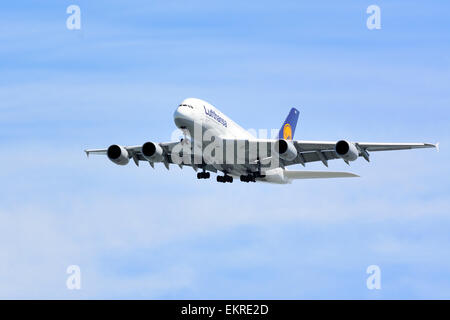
<point x="248" y="178"/>
<point x="203" y="175"/>
<point x="225" y="178"/>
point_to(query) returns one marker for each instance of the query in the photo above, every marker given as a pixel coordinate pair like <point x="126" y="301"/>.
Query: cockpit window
<point x="186" y="105"/>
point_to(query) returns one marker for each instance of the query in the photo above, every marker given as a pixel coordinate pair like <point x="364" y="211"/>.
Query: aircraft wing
<point x="135" y="153"/>
<point x="312" y="151"/>
<point x="133" y="150"/>
<point x="369" y="146"/>
<point x="306" y="151"/>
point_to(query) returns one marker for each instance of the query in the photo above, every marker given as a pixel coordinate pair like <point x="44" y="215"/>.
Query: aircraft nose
<point x="180" y="113"/>
<point x="181" y="117"/>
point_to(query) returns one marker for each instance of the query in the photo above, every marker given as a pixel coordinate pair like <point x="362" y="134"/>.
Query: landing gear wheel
<point x="224" y="179"/>
<point x="203" y="175"/>
<point x="248" y="178"/>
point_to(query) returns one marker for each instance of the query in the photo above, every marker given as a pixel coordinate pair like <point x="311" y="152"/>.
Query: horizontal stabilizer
<point x="317" y="174"/>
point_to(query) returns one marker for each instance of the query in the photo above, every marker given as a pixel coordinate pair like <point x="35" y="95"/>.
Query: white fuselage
<point x="197" y="116"/>
<point x="194" y="114"/>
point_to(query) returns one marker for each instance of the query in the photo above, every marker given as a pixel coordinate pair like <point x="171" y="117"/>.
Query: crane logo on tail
<point x="287" y="132"/>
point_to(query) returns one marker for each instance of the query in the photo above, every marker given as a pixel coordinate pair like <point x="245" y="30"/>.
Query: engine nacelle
<point x="346" y="150"/>
<point x="152" y="152"/>
<point x="285" y="149"/>
<point x="118" y="155"/>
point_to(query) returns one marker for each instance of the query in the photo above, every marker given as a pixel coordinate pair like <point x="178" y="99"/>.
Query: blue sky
<point x="144" y="233"/>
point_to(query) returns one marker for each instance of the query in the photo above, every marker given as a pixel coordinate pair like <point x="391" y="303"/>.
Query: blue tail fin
<point x="288" y="129"/>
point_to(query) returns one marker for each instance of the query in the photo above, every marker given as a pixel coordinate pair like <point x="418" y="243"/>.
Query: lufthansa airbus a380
<point x="214" y="143"/>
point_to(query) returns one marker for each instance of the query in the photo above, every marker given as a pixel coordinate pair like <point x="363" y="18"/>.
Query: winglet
<point x="87" y="153"/>
<point x="437" y="146"/>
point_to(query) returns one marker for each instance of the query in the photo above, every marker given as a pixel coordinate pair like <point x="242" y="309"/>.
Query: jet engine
<point x="285" y="149"/>
<point x="118" y="154"/>
<point x="152" y="152"/>
<point x="346" y="150"/>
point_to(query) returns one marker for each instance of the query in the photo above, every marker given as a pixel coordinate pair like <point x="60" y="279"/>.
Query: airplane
<point x="247" y="157"/>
